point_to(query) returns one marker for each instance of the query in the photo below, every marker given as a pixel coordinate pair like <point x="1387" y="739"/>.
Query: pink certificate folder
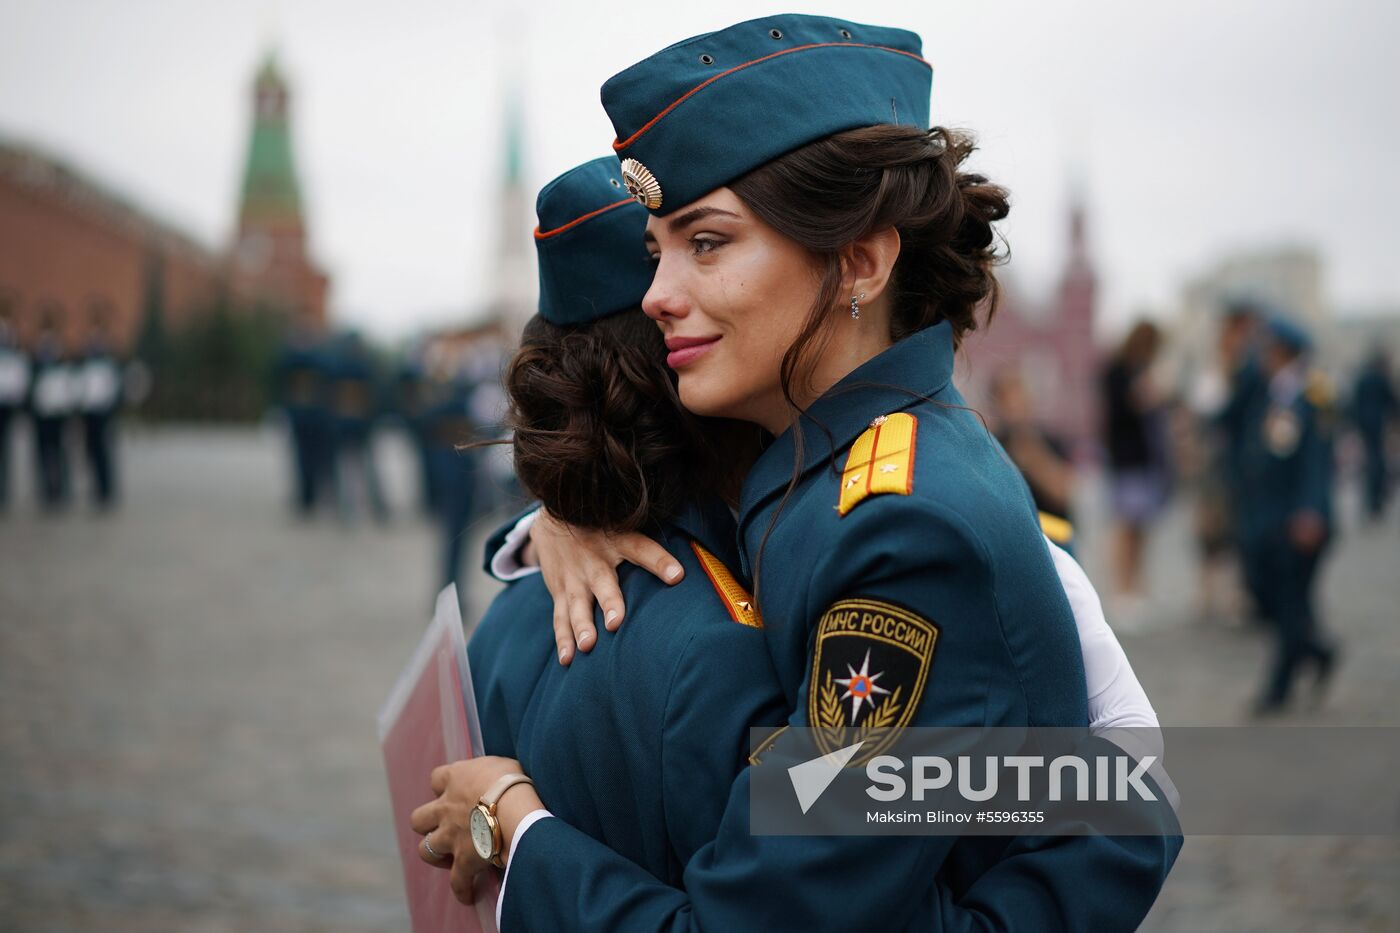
<point x="428" y="720"/>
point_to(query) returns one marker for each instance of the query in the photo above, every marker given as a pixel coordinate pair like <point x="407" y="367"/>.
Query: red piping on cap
<point x="619" y="146"/>
<point x="546" y="234"/>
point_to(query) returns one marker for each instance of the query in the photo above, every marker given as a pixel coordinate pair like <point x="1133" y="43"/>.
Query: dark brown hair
<point x="601" y="437"/>
<point x="832" y="192"/>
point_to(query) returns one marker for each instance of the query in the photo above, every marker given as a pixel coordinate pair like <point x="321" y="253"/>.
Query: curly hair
<point x="601" y="437"/>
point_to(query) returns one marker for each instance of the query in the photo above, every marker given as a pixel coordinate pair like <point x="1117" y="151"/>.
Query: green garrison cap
<point x="703" y="112"/>
<point x="589" y="240"/>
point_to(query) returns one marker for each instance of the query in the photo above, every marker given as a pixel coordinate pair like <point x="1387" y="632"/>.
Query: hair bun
<point x="600" y="437"/>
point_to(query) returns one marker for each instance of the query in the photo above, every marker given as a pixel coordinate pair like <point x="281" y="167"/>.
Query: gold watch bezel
<point x="494" y="824"/>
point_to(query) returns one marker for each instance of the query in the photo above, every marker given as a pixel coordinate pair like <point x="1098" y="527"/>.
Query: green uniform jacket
<point x="653" y="722"/>
<point x="980" y="634"/>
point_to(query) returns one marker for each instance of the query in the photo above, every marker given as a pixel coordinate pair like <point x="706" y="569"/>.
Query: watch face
<point x="482" y="837"/>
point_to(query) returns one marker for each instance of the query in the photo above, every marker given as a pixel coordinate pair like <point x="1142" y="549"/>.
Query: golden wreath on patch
<point x="869" y="671"/>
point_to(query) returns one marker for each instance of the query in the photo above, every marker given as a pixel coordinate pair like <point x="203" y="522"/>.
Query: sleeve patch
<point x="869" y="671"/>
<point x="736" y="599"/>
<point x="880" y="461"/>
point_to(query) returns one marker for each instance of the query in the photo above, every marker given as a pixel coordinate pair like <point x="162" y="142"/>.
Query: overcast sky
<point x="1192" y="128"/>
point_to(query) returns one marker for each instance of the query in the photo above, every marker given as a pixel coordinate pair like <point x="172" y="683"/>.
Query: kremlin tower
<point x="270" y="263"/>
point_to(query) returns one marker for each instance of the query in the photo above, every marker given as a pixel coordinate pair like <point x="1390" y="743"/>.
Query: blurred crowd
<point x="332" y="391"/>
<point x="445" y="392"/>
<point x="1251" y="441"/>
<point x="70" y="399"/>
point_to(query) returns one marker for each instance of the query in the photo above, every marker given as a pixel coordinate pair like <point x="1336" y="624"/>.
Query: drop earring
<point x="855" y="306"/>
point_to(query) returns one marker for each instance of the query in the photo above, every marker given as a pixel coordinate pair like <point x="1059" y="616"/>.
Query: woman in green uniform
<point x="820" y="254"/>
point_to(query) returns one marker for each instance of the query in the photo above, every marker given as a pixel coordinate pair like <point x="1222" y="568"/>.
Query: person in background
<point x="1241" y="334"/>
<point x="301" y="391"/>
<point x="1137" y="462"/>
<point x="1373" y="409"/>
<point x="1207" y="446"/>
<point x="410" y="401"/>
<point x="14" y="386"/>
<point x="448" y="431"/>
<point x="1042" y="458"/>
<point x="355" y="403"/>
<point x="1285" y="507"/>
<point x="99" y="382"/>
<point x="52" y="398"/>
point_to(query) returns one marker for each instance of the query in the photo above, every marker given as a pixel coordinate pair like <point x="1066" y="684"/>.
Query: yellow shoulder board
<point x="881" y="461"/>
<point x="736" y="599"/>
<point x="1056" y="528"/>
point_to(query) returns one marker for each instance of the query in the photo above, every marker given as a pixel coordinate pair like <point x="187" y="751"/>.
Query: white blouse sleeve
<point x="1119" y="710"/>
<point x="1116" y="699"/>
<point x="505" y="563"/>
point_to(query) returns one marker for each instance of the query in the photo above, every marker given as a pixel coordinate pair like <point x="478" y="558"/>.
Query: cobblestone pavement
<point x="188" y="690"/>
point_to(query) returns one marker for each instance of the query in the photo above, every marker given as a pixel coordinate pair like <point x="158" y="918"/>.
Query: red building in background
<point x="1051" y="342"/>
<point x="70" y="246"/>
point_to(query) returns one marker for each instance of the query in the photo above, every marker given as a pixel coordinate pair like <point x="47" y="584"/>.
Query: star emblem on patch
<point x="870" y="668"/>
<point x="861" y="687"/>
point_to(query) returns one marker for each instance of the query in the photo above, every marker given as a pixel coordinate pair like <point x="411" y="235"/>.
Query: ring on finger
<point x="427" y="847"/>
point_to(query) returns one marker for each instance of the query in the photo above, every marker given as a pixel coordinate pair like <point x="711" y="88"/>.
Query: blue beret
<point x="1290" y="334"/>
<point x="589" y="241"/>
<point x="699" y="114"/>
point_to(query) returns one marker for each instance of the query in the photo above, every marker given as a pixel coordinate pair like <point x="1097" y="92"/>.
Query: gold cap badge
<point x="641" y="184"/>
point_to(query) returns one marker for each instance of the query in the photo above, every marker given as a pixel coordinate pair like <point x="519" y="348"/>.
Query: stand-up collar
<point x="916" y="367"/>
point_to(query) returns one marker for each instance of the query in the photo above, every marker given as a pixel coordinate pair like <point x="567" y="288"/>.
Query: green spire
<point x="515" y="141"/>
<point x="270" y="189"/>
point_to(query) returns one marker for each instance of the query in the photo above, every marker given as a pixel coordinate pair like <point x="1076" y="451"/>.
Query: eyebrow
<point x="681" y="221"/>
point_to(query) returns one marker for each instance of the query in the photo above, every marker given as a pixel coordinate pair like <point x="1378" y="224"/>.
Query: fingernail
<point x="563" y="656"/>
<point x="673" y="572"/>
<point x="612" y="614"/>
<point x="585" y="638"/>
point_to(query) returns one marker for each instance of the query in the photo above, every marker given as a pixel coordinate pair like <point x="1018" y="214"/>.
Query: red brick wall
<point x="61" y="246"/>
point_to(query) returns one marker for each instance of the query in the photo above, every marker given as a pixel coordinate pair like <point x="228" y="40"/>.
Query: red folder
<point x="428" y="720"/>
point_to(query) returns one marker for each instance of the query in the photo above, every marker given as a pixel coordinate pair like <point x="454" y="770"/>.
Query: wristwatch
<point x="486" y="829"/>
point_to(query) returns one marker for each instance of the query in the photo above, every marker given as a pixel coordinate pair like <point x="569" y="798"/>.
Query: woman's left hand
<point x="446" y="822"/>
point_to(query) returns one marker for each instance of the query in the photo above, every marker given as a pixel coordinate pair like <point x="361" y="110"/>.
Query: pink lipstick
<point x="686" y="350"/>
